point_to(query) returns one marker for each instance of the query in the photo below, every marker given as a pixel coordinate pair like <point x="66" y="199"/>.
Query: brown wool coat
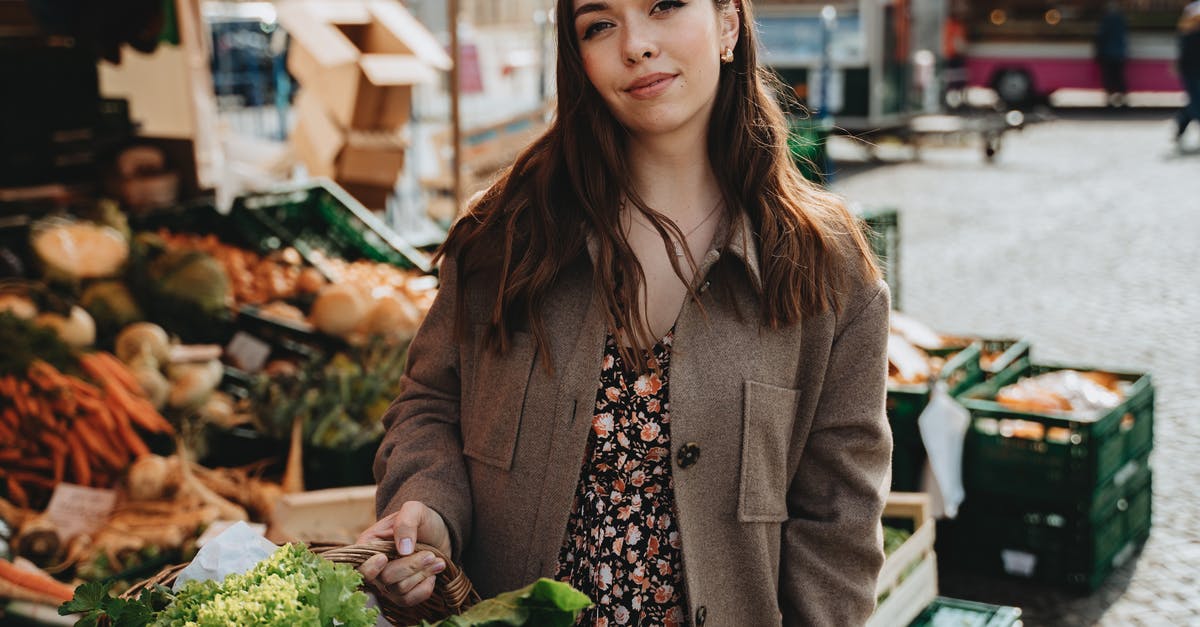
<point x="780" y="515"/>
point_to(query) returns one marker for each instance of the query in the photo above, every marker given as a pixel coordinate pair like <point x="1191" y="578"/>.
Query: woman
<point x="656" y="365"/>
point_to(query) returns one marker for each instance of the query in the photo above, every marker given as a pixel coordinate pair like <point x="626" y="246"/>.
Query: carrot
<point x="53" y="441"/>
<point x="132" y="441"/>
<point x="32" y="463"/>
<point x="44" y="376"/>
<point x="8" y="386"/>
<point x="36" y="582"/>
<point x="79" y="461"/>
<point x="116" y="444"/>
<point x="9" y="417"/>
<point x="121" y="372"/>
<point x="104" y="367"/>
<point x="60" y="465"/>
<point x="96" y="444"/>
<point x="88" y="402"/>
<point x="103" y="416"/>
<point x="9" y="454"/>
<point x="83" y="388"/>
<point x="139" y="410"/>
<point x="32" y="478"/>
<point x="48" y="373"/>
<point x="16" y="493"/>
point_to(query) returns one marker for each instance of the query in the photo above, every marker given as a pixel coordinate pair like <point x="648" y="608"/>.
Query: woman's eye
<point x="666" y="5"/>
<point x="594" y="29"/>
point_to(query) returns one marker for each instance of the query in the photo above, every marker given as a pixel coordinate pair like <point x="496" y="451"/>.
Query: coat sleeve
<point x="833" y="539"/>
<point x="420" y="458"/>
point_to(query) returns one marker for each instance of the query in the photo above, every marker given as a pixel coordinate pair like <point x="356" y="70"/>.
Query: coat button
<point x="701" y="615"/>
<point x="688" y="454"/>
<point x="704" y="287"/>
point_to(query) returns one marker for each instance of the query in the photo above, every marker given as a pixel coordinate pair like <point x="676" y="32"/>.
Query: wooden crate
<point x="907" y="596"/>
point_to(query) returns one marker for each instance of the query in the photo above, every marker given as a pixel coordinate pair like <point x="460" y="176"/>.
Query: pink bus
<point x="1028" y="49"/>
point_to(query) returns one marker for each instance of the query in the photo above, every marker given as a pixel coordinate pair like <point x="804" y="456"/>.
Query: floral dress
<point x="622" y="545"/>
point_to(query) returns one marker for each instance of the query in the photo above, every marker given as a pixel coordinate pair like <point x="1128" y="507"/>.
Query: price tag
<point x="76" y="509"/>
<point x="1019" y="563"/>
<point x="247" y="352"/>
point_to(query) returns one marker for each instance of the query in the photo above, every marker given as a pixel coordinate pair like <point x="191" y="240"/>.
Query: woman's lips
<point x="654" y="87"/>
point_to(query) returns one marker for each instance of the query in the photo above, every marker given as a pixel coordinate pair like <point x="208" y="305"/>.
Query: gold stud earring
<point x="727" y="55"/>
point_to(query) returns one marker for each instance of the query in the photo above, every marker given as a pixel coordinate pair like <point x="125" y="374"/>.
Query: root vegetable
<point x="153" y="477"/>
<point x="78" y="330"/>
<point x="192" y="384"/>
<point x="152" y="382"/>
<point x="143" y="338"/>
<point x="339" y="309"/>
<point x="18" y="306"/>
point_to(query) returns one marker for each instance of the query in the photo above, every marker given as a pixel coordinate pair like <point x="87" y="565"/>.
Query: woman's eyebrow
<point x="590" y="7"/>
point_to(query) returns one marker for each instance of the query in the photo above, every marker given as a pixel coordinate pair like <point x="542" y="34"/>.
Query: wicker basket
<point x="452" y="594"/>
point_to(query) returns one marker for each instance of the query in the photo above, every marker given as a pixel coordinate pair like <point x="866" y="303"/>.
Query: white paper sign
<point x="76" y="509"/>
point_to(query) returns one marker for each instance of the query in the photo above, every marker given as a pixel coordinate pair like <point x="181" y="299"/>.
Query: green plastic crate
<point x="321" y="215"/>
<point x="1007" y="353"/>
<point x="1054" y="543"/>
<point x="905" y="404"/>
<point x="807" y="139"/>
<point x="882" y="228"/>
<point x="1071" y="457"/>
<point x="946" y="612"/>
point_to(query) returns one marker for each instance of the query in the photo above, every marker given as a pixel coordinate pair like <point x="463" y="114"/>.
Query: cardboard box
<point x="361" y="59"/>
<point x="373" y="197"/>
<point x="369" y="157"/>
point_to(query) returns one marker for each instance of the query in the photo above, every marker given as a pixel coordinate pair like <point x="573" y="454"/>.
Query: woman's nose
<point x="638" y="45"/>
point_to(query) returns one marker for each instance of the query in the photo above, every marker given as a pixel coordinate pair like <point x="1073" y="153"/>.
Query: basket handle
<point x="453" y="592"/>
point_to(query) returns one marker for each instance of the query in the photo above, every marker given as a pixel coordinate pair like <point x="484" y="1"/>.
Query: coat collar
<point x="737" y="230"/>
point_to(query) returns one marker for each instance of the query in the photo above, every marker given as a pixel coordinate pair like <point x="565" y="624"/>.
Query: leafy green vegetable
<point x="544" y="603"/>
<point x="94" y="602"/>
<point x="292" y="588"/>
<point x="24" y="341"/>
<point x="893" y="538"/>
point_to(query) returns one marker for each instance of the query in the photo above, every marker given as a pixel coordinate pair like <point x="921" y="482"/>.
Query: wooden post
<point x="455" y="127"/>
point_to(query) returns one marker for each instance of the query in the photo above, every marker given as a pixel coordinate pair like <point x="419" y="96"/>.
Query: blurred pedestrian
<point x="954" y="55"/>
<point x="1112" y="49"/>
<point x="1189" y="66"/>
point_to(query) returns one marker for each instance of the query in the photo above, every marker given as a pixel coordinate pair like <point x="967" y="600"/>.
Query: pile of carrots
<point x="59" y="427"/>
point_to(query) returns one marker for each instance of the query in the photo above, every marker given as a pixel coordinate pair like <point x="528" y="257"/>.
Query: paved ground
<point x="1083" y="237"/>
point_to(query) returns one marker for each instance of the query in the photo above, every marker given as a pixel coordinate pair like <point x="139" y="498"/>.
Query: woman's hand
<point x="409" y="579"/>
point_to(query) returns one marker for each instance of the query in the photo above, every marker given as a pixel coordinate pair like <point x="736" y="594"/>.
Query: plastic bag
<point x="235" y="550"/>
<point x="943" y="427"/>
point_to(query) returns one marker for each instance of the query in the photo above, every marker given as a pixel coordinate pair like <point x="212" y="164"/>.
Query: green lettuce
<point x="544" y="603"/>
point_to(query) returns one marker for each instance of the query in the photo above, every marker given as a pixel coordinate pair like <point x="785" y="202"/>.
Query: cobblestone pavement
<point x="1085" y="238"/>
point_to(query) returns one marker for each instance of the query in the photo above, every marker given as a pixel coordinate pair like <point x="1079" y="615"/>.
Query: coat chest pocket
<point x="768" y="415"/>
<point x="494" y="397"/>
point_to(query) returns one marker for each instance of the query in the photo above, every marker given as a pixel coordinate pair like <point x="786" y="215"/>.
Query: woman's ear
<point x="731" y="25"/>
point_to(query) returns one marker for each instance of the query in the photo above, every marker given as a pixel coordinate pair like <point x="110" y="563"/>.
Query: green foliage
<point x="340" y="400"/>
<point x="544" y="603"/>
<point x="24" y="341"/>
<point x="96" y="606"/>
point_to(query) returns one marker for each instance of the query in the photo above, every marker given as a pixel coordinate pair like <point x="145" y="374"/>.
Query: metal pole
<point x="455" y="128"/>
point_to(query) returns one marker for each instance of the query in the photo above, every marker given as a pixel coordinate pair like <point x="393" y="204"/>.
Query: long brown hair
<point x="535" y="220"/>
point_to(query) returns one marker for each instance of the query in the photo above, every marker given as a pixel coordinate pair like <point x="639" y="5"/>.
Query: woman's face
<point x="656" y="63"/>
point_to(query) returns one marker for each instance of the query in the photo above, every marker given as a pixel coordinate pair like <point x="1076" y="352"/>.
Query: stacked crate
<point x="1050" y="497"/>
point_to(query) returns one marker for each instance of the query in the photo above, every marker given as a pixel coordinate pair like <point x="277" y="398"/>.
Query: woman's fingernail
<point x="406" y="546"/>
<point x="428" y="560"/>
<point x="439" y="566"/>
